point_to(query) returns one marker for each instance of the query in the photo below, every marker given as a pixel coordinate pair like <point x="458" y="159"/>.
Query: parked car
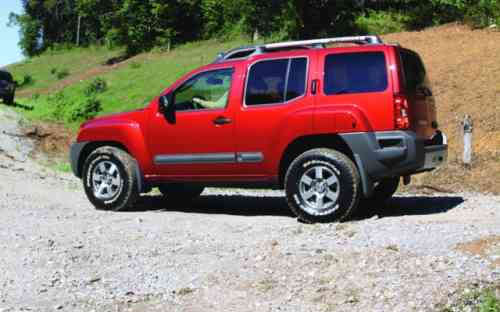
<point x="7" y="87"/>
<point x="329" y="125"/>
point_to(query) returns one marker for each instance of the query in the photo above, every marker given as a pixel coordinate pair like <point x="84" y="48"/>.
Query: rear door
<point x="354" y="80"/>
<point x="274" y="109"/>
<point x="416" y="86"/>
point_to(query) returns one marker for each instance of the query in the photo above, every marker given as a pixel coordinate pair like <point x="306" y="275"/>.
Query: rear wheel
<point x="110" y="179"/>
<point x="322" y="185"/>
<point x="181" y="191"/>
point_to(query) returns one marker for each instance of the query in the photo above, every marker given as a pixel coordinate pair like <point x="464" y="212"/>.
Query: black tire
<point x="384" y="190"/>
<point x="9" y="99"/>
<point x="125" y="193"/>
<point x="181" y="191"/>
<point x="335" y="166"/>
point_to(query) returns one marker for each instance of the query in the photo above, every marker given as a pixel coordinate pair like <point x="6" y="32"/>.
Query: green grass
<point x="476" y="300"/>
<point x="50" y="67"/>
<point x="129" y="87"/>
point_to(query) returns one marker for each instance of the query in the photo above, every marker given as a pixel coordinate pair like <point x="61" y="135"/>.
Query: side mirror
<point x="166" y="107"/>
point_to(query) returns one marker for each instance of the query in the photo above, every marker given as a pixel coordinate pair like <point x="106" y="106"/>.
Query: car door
<point x="200" y="142"/>
<point x="275" y="109"/>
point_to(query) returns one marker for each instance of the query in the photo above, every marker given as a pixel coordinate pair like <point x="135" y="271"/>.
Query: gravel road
<point x="230" y="250"/>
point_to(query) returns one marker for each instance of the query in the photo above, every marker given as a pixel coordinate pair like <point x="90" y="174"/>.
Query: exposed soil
<point x="52" y="140"/>
<point x="464" y="66"/>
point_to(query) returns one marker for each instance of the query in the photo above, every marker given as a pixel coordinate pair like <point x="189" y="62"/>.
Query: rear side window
<point x="276" y="81"/>
<point x="348" y="73"/>
<point x="414" y="70"/>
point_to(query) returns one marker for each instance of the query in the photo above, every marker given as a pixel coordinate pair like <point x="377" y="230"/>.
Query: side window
<point x="276" y="81"/>
<point x="297" y="79"/>
<point x="414" y="70"/>
<point x="348" y="73"/>
<point x="207" y="90"/>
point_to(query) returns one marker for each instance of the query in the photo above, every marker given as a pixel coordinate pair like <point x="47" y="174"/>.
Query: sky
<point x="9" y="36"/>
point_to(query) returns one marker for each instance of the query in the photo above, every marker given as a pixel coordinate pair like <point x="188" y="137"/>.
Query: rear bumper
<point x="380" y="155"/>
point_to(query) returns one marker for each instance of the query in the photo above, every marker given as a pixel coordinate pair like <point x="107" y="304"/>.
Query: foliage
<point x="59" y="73"/>
<point x="490" y="303"/>
<point x="27" y="81"/>
<point x="96" y="86"/>
<point x="89" y="109"/>
<point x="382" y="22"/>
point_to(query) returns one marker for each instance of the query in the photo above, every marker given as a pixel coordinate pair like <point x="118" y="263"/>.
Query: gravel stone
<point x="230" y="250"/>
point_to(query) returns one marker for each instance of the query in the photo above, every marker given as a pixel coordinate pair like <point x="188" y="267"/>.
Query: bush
<point x="27" y="81"/>
<point x="59" y="105"/>
<point x="63" y="73"/>
<point x="382" y="22"/>
<point x="489" y="303"/>
<point x="96" y="86"/>
<point x="86" y="110"/>
<point x="483" y="14"/>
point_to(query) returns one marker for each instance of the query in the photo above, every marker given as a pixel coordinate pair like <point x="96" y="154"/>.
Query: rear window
<point x="414" y="70"/>
<point x="348" y="73"/>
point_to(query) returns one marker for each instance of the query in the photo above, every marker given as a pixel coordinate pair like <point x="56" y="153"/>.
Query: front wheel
<point x="110" y="179"/>
<point x="180" y="191"/>
<point x="322" y="185"/>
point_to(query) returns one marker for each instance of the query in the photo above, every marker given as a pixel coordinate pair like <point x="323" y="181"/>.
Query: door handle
<point x="314" y="86"/>
<point x="221" y="120"/>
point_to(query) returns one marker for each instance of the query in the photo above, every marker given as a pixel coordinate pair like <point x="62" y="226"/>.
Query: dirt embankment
<point x="464" y="66"/>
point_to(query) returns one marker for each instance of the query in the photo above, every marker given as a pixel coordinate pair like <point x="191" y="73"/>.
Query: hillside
<point x="462" y="63"/>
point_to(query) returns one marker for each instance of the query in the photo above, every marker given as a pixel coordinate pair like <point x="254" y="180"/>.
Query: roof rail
<point x="247" y="51"/>
<point x="322" y="42"/>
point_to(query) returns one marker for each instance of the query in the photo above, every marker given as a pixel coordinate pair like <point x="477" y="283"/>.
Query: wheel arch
<point x="92" y="146"/>
<point x="305" y="143"/>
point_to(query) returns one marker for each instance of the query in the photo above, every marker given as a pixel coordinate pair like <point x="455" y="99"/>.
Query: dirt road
<point x="230" y="250"/>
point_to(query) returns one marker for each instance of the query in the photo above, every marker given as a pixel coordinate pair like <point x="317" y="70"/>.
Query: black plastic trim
<point x="74" y="156"/>
<point x="376" y="162"/>
<point x="215" y="158"/>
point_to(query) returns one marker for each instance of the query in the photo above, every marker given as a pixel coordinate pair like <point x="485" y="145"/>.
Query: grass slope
<point x="75" y="61"/>
<point x="131" y="85"/>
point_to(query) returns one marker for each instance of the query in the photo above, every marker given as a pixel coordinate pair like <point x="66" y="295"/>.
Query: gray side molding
<point x="215" y="158"/>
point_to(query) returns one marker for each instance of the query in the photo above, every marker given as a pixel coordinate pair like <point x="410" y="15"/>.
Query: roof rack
<point x="247" y="51"/>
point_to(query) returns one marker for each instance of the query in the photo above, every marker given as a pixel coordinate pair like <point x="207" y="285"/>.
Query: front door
<point x="199" y="143"/>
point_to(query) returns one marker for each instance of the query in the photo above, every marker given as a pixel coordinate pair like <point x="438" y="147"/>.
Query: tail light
<point x="401" y="118"/>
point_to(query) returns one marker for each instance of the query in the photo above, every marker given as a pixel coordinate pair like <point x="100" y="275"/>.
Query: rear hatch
<point x="417" y="89"/>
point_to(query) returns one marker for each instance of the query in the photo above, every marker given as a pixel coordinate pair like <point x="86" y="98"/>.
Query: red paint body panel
<point x="266" y="129"/>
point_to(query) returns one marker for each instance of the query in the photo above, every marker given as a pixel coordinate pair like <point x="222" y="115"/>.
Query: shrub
<point x="382" y="22"/>
<point x="63" y="73"/>
<point x="59" y="105"/>
<point x="86" y="110"/>
<point x="27" y="81"/>
<point x="489" y="303"/>
<point x="96" y="86"/>
<point x="483" y="14"/>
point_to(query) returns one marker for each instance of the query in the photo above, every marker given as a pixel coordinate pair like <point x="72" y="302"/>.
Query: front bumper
<point x="380" y="155"/>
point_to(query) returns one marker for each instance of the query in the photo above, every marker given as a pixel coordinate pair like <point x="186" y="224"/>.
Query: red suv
<point x="331" y="126"/>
